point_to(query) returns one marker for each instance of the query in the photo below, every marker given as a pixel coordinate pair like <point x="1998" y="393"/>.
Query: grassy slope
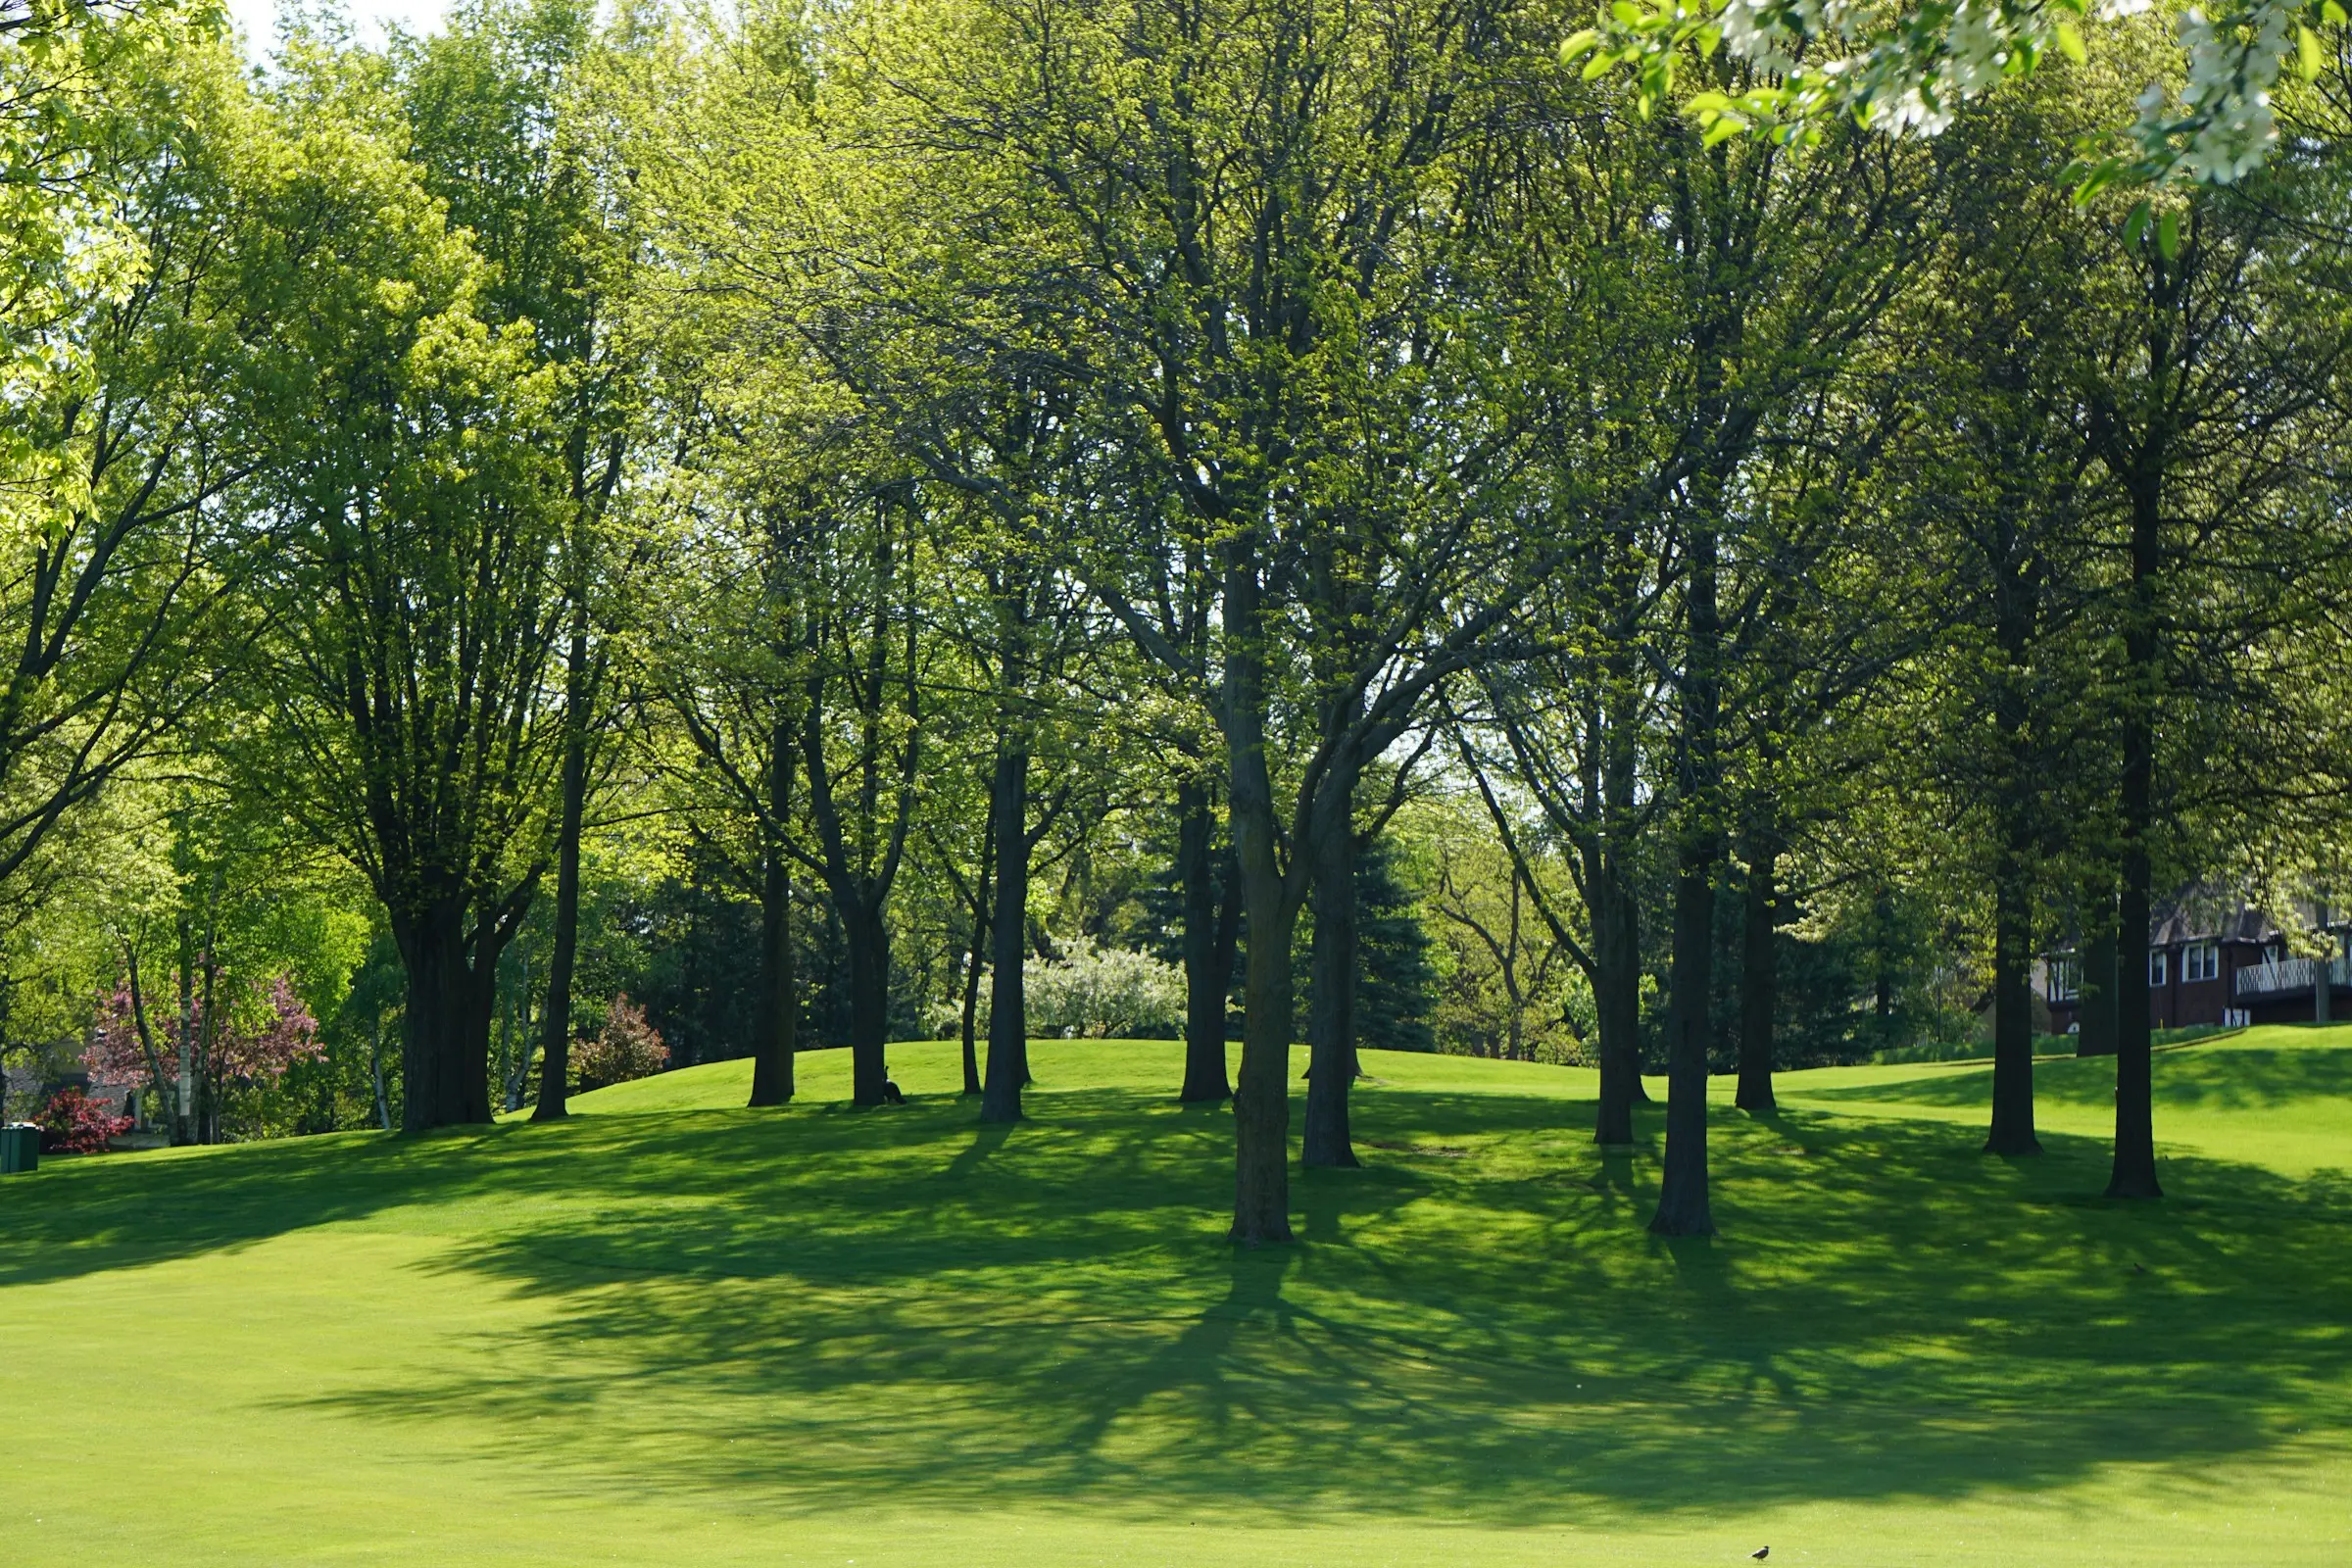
<point x="676" y="1332"/>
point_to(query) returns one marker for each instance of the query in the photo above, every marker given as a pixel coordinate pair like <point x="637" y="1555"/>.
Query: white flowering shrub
<point x="1092" y="991"/>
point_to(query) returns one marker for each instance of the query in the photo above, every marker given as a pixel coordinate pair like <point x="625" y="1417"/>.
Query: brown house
<point x="2210" y="962"/>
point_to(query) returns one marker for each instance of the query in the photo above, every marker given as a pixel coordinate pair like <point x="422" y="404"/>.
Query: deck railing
<point x="2283" y="976"/>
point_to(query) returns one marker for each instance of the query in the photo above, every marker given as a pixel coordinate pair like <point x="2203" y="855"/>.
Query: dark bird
<point x="1761" y="1552"/>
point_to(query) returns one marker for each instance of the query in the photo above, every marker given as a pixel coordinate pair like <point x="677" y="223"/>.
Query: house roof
<point x="2198" y="916"/>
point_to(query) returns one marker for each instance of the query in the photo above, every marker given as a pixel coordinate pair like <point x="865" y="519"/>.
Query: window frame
<point x="2160" y="967"/>
<point x="2200" y="962"/>
<point x="2066" y="980"/>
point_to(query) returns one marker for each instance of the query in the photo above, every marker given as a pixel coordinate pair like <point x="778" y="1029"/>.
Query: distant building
<point x="2215" y="961"/>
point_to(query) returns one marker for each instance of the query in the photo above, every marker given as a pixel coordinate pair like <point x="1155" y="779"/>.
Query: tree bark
<point x="2101" y="984"/>
<point x="1008" y="999"/>
<point x="1683" y="1207"/>
<point x="2012" y="1131"/>
<point x="1261" y="1110"/>
<point x="776" y="1029"/>
<point x="1617" y="921"/>
<point x="1759" y="977"/>
<point x="2134" y="1172"/>
<point x="1331" y="1018"/>
<point x="978" y="957"/>
<point x="1207" y="960"/>
<point x="554" y="1040"/>
<point x="867" y="939"/>
<point x="438" y="1015"/>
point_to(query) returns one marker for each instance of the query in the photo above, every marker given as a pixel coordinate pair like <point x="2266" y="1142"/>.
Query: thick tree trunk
<point x="775" y="1028"/>
<point x="1207" y="970"/>
<point x="439" y="1022"/>
<point x="554" y="1041"/>
<point x="1008" y="999"/>
<point x="2012" y="1131"/>
<point x="868" y="942"/>
<point x="2135" y="1173"/>
<point x="1759" y="979"/>
<point x="1330" y="1018"/>
<point x="1682" y="1208"/>
<point x="1261" y="1106"/>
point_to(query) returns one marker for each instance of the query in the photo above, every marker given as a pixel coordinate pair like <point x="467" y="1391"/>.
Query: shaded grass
<point x="713" y="1334"/>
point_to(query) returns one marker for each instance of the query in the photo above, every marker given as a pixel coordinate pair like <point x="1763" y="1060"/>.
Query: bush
<point x="73" y="1123"/>
<point x="1105" y="993"/>
<point x="625" y="1048"/>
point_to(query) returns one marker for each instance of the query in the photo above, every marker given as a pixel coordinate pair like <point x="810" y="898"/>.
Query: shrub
<point x="73" y="1123"/>
<point x="1105" y="993"/>
<point x="625" y="1048"/>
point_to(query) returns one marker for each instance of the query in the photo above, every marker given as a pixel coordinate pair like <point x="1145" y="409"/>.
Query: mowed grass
<point x="676" y="1332"/>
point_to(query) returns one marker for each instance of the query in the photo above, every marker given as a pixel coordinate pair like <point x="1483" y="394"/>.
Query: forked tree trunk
<point x="1331" y="1019"/>
<point x="1207" y="971"/>
<point x="775" y="1028"/>
<point x="1008" y="998"/>
<point x="1759" y="979"/>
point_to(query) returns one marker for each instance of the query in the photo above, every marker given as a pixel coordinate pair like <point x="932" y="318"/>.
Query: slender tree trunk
<point x="1207" y="971"/>
<point x="1008" y="998"/>
<point x="184" y="1102"/>
<point x="554" y="1040"/>
<point x="1617" y="921"/>
<point x="776" y="1029"/>
<point x="1759" y="976"/>
<point x="2135" y="1173"/>
<point x="1331" y="1019"/>
<point x="375" y="1070"/>
<point x="1261" y="1110"/>
<point x="2012" y="1131"/>
<point x="868" y="940"/>
<point x="978" y="957"/>
<point x="1683" y="1207"/>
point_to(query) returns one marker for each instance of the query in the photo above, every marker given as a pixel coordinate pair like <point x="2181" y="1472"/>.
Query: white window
<point x="2156" y="966"/>
<point x="2065" y="979"/>
<point x="2201" y="961"/>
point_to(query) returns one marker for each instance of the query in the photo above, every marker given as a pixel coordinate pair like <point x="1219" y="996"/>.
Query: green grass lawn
<point x="675" y="1332"/>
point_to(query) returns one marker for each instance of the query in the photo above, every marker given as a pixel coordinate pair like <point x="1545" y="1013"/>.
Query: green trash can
<point x="19" y="1149"/>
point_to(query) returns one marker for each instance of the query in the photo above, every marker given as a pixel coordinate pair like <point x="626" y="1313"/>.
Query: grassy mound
<point x="675" y="1331"/>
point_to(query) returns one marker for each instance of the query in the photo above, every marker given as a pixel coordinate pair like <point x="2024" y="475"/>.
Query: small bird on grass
<point x="1761" y="1552"/>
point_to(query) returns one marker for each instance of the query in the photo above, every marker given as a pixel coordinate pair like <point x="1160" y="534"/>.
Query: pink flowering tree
<point x="246" y="1043"/>
<point x="627" y="1047"/>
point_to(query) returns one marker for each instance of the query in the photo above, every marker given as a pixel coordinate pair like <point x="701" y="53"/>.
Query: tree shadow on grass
<point x="1886" y="1314"/>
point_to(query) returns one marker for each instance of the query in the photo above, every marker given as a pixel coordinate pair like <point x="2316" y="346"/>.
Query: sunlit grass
<point x="675" y="1331"/>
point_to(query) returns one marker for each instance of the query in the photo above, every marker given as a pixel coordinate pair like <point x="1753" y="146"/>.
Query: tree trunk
<point x="375" y="1070"/>
<point x="1759" y="979"/>
<point x="2012" y="1131"/>
<point x="1331" y="1018"/>
<point x="438" y="1015"/>
<point x="1008" y="998"/>
<point x="555" y="1039"/>
<point x="1682" y="1208"/>
<point x="775" y="1030"/>
<point x="978" y="957"/>
<point x="2100" y="987"/>
<point x="1207" y="970"/>
<point x="1617" y="922"/>
<point x="1261" y="1105"/>
<point x="184" y="1101"/>
<point x="868" y="942"/>
<point x="2135" y="1173"/>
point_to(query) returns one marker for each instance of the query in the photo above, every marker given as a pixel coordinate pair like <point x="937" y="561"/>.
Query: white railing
<point x="2281" y="975"/>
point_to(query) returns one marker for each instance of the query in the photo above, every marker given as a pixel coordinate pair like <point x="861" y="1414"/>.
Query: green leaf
<point x="1598" y="64"/>
<point x="1626" y="11"/>
<point x="2331" y="13"/>
<point x="2307" y="53"/>
<point x="1708" y="38"/>
<point x="2136" y="225"/>
<point x="2168" y="234"/>
<point x="1577" y="43"/>
<point x="2070" y="42"/>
